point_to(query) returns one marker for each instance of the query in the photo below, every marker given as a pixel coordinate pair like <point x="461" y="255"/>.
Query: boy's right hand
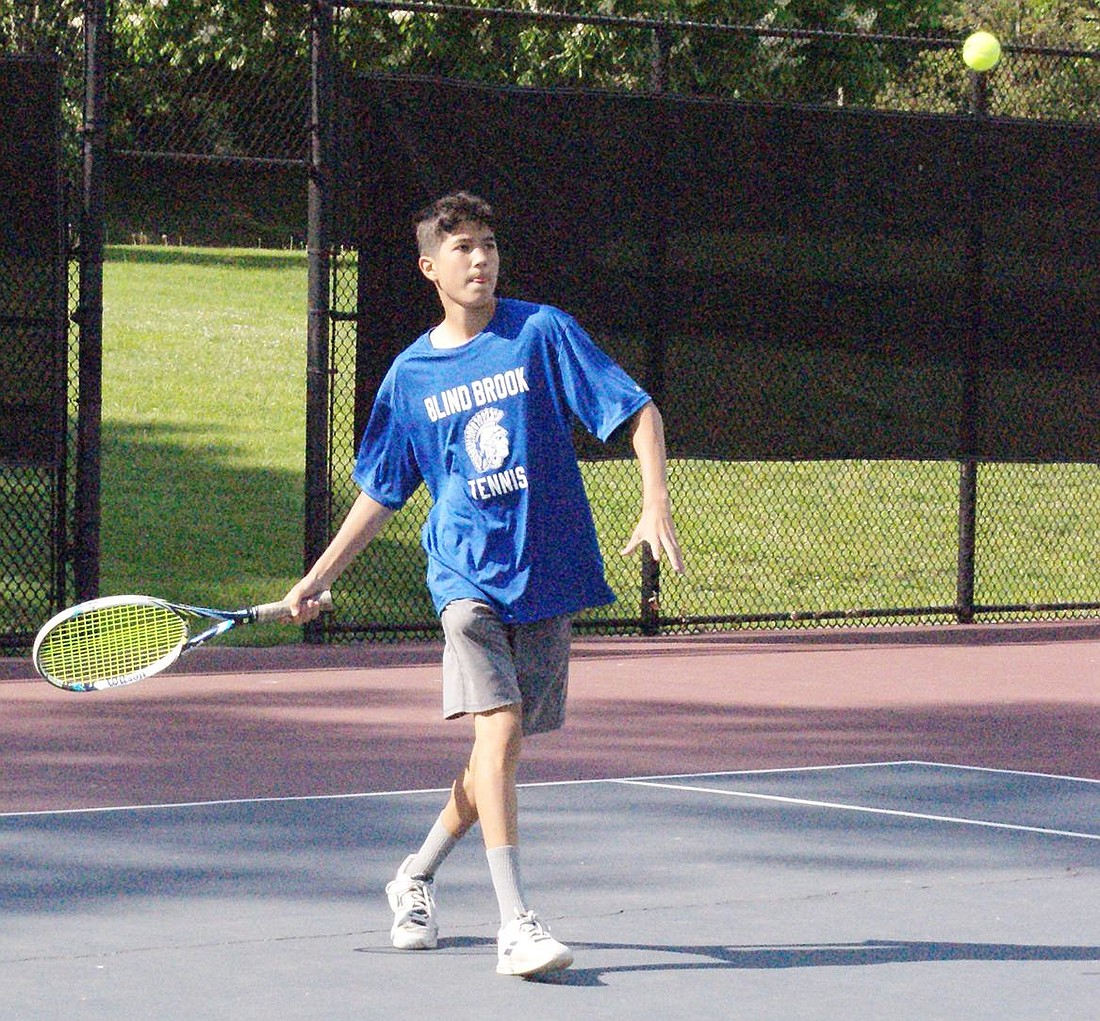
<point x="304" y="602"/>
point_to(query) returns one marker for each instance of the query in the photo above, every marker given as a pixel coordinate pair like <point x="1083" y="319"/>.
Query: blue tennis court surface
<point x="902" y="890"/>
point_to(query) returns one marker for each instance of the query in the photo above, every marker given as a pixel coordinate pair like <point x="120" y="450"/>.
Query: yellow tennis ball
<point x="981" y="51"/>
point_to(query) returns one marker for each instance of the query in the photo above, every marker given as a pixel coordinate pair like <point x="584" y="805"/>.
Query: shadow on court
<point x="870" y="952"/>
<point x="755" y="958"/>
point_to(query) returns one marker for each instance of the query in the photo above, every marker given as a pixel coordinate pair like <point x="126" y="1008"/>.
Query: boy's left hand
<point x="655" y="527"/>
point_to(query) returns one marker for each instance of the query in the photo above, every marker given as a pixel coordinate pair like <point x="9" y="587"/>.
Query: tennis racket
<point x="116" y="640"/>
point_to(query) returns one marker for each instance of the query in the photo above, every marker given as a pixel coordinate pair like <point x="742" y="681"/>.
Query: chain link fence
<point x="35" y="501"/>
<point x="209" y="124"/>
<point x="218" y="124"/>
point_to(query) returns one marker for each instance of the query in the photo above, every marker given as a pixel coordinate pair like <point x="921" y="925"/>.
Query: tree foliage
<point x="1062" y="24"/>
<point x="231" y="53"/>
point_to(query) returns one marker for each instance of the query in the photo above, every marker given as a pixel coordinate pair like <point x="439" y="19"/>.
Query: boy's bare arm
<point x="655" y="526"/>
<point x="364" y="521"/>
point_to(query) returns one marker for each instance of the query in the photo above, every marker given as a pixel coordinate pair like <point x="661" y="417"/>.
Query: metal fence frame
<point x="74" y="545"/>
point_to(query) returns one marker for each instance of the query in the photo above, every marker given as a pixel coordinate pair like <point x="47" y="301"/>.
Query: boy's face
<point x="465" y="265"/>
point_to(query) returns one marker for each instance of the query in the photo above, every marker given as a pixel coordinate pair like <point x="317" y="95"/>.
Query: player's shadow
<point x="822" y="955"/>
<point x="708" y="957"/>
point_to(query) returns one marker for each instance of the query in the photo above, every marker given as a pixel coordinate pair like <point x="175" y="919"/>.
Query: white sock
<point x="504" y="869"/>
<point x="437" y="845"/>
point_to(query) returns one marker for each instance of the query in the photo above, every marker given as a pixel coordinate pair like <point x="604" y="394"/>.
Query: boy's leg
<point x="411" y="892"/>
<point x="480" y="669"/>
<point x="471" y="648"/>
<point x="488" y="793"/>
<point x="439" y="843"/>
<point x="485" y="793"/>
<point x="498" y="741"/>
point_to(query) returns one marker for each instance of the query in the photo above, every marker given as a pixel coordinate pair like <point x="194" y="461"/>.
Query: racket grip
<point x="267" y="612"/>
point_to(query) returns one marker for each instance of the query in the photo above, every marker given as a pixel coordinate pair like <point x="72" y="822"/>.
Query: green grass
<point x="203" y="436"/>
<point x="771" y="537"/>
<point x="203" y="424"/>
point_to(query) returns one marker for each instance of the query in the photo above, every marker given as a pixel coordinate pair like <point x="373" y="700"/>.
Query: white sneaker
<point x="414" y="925"/>
<point x="525" y="947"/>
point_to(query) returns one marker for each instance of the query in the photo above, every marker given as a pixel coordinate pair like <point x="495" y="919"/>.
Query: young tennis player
<point x="480" y="410"/>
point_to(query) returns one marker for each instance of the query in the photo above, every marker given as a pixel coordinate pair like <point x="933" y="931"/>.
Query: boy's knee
<point x="498" y="734"/>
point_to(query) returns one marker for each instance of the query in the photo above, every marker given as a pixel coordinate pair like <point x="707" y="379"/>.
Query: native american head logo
<point x="486" y="439"/>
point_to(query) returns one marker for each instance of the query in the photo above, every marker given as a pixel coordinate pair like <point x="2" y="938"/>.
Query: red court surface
<point x="231" y="723"/>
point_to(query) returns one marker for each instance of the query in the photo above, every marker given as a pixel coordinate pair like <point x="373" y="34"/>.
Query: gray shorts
<point x="488" y="664"/>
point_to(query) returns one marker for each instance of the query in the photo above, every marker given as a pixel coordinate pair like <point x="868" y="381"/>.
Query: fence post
<point x="89" y="314"/>
<point x="973" y="351"/>
<point x="318" y="244"/>
<point x="650" y="596"/>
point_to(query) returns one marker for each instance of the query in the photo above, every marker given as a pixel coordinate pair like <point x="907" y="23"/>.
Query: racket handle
<point x="267" y="612"/>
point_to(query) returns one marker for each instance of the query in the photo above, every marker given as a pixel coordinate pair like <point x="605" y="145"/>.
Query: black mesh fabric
<point x="790" y="283"/>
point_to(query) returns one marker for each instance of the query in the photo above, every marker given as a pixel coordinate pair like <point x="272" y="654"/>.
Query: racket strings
<point x="111" y="642"/>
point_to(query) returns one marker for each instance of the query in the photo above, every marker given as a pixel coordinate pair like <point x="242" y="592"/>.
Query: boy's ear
<point x="427" y="266"/>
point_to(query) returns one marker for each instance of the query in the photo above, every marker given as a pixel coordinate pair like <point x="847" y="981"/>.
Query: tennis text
<point x="485" y="487"/>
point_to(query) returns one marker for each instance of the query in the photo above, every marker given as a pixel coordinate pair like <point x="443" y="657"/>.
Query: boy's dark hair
<point x="445" y="215"/>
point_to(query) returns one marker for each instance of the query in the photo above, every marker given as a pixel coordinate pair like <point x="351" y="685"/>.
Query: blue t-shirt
<point x="488" y="428"/>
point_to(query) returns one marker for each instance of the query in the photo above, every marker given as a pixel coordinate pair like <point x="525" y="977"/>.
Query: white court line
<point x="1003" y="772"/>
<point x="861" y="809"/>
<point x="225" y="802"/>
<point x="728" y="772"/>
<point x="645" y="780"/>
